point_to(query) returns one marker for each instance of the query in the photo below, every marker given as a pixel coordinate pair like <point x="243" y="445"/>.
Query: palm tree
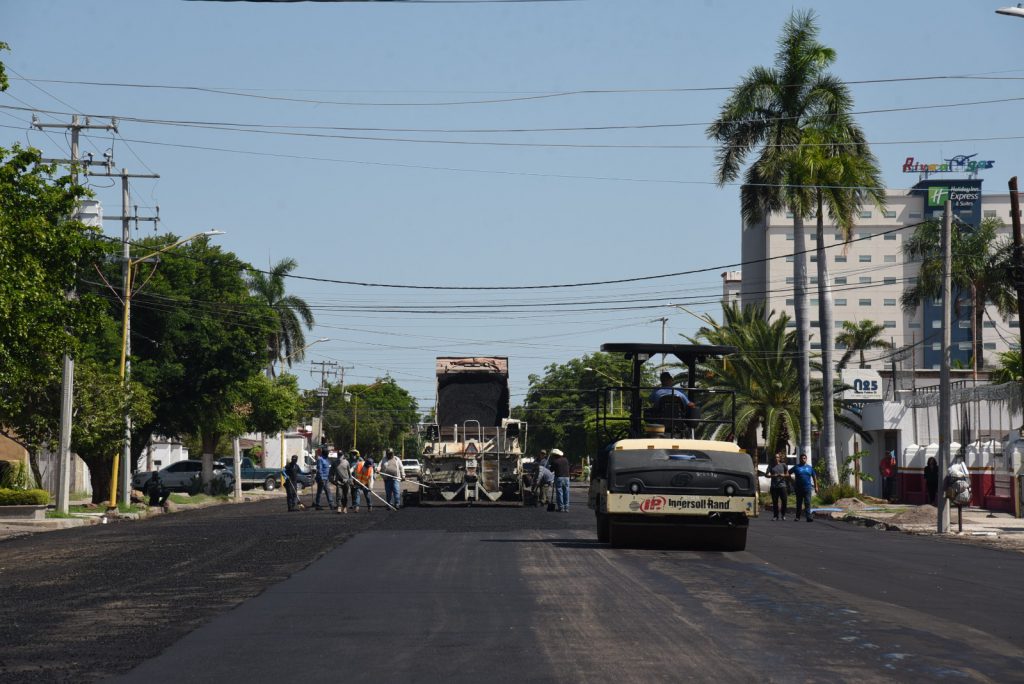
<point x="286" y="342"/>
<point x="845" y="174"/>
<point x="774" y="108"/>
<point x="762" y="379"/>
<point x="860" y="337"/>
<point x="980" y="266"/>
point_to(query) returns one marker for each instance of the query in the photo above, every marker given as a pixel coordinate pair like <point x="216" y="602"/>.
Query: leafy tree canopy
<point x="381" y="415"/>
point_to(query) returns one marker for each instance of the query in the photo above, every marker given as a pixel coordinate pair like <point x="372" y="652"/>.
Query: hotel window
<point x="864" y="258"/>
<point x="790" y="302"/>
<point x="814" y="258"/>
<point x="815" y="324"/>
<point x="814" y="280"/>
<point x="990" y="345"/>
<point x="815" y="345"/>
<point x="789" y="280"/>
<point x="1014" y="323"/>
<point x="914" y="325"/>
<point x="889" y="280"/>
<point x="988" y="324"/>
<point x="839" y="325"/>
<point x="865" y="214"/>
<point x="889" y="258"/>
<point x="789" y="236"/>
<point x="889" y="324"/>
<point x="914" y="215"/>
<point x="840" y="345"/>
<point x="864" y="280"/>
<point x="889" y="302"/>
<point x="890" y="236"/>
<point x="963" y="325"/>
<point x="937" y="301"/>
<point x="841" y="280"/>
<point x="813" y="237"/>
<point x="990" y="213"/>
<point x="863" y="235"/>
<point x="789" y="214"/>
<point x="936" y="346"/>
<point x="937" y="324"/>
<point x="840" y="258"/>
<point x="839" y="236"/>
<point x="840" y="302"/>
<point x="1014" y="346"/>
<point x="863" y="302"/>
<point x="790" y="324"/>
<point x="789" y="259"/>
<point x="814" y="301"/>
<point x="888" y="213"/>
<point x="965" y="346"/>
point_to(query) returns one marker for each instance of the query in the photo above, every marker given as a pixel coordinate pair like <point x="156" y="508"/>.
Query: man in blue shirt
<point x="804" y="483"/>
<point x="323" y="470"/>
<point x="667" y="390"/>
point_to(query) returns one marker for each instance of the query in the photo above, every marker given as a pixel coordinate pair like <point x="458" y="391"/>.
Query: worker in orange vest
<point x="364" y="474"/>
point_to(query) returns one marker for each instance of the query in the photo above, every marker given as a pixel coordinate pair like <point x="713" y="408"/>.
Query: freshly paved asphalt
<point x="508" y="595"/>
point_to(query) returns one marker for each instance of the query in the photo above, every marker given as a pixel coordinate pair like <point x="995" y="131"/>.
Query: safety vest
<point x="364" y="473"/>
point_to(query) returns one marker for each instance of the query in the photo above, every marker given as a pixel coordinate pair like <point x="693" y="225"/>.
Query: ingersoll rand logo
<point x="653" y="505"/>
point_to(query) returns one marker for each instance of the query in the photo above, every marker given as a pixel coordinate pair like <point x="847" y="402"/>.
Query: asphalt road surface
<point x="250" y="593"/>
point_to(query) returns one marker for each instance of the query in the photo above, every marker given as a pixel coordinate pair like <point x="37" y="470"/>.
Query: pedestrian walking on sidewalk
<point x="804" y="484"/>
<point x="341" y="477"/>
<point x="323" y="473"/>
<point x="364" y="476"/>
<point x="779" y="487"/>
<point x="391" y="467"/>
<point x="887" y="469"/>
<point x="560" y="467"/>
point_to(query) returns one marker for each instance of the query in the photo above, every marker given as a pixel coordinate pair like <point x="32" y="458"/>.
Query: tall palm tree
<point x="860" y="337"/>
<point x="981" y="261"/>
<point x="773" y="109"/>
<point x="844" y="174"/>
<point x="285" y="343"/>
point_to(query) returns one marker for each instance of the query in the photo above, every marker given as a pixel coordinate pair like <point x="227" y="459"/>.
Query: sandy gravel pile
<point x="915" y="515"/>
<point x="850" y="504"/>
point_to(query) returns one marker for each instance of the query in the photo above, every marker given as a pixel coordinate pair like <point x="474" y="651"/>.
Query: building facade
<point x="869" y="273"/>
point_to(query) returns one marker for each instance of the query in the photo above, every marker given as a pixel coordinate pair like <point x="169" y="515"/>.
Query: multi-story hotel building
<point x="869" y="274"/>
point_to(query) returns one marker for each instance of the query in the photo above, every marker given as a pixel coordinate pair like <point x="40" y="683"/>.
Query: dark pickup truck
<point x="268" y="478"/>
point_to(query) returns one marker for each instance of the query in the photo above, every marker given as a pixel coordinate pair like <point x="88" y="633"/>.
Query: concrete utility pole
<point x="125" y="218"/>
<point x="327" y="369"/>
<point x="664" y="322"/>
<point x="945" y="410"/>
<point x="1018" y="252"/>
<point x="68" y="372"/>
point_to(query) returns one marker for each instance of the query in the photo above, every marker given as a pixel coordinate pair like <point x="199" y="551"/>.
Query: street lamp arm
<point x="206" y="233"/>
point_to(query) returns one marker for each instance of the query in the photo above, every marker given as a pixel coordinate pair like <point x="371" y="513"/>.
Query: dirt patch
<point x="850" y="504"/>
<point x="915" y="515"/>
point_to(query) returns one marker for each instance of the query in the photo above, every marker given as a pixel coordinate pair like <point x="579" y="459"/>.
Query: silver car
<point x="411" y="466"/>
<point x="182" y="476"/>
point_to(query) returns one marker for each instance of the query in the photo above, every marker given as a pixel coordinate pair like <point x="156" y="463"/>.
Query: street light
<point x="125" y="345"/>
<point x="1017" y="11"/>
<point x="355" y="411"/>
<point x="615" y="382"/>
<point x="300" y="350"/>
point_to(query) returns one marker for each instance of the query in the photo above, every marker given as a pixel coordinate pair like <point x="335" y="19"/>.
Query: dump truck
<point x="668" y="475"/>
<point x="473" y="452"/>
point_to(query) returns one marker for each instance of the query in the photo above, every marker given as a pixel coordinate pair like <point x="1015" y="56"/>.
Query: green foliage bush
<point x="24" y="497"/>
<point x="829" y="494"/>
<point x="13" y="475"/>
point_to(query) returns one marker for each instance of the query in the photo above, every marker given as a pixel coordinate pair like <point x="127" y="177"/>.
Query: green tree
<point x="980" y="263"/>
<point x="773" y="109"/>
<point x="43" y="254"/>
<point x="560" y="405"/>
<point x="286" y="341"/>
<point x="383" y="413"/>
<point x="859" y="337"/>
<point x="101" y="402"/>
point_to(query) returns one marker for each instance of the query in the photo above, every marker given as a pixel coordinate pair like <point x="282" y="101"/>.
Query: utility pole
<point x="664" y="322"/>
<point x="1018" y="278"/>
<point x="945" y="412"/>
<point x="125" y="218"/>
<point x="68" y="372"/>
<point x="327" y="369"/>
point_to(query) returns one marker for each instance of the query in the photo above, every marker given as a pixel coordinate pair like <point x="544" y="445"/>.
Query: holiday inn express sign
<point x="962" y="196"/>
<point x="961" y="163"/>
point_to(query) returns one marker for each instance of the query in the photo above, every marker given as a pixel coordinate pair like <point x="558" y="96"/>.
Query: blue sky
<point x="463" y="214"/>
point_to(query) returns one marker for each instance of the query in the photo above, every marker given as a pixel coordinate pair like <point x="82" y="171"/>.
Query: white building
<point x="869" y="274"/>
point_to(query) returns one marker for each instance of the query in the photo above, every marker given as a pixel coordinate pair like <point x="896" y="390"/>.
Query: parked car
<point x="253" y="476"/>
<point x="182" y="476"/>
<point x="412" y="467"/>
<point x="764" y="482"/>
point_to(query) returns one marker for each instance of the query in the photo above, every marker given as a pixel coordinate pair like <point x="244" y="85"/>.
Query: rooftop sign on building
<point x="863" y="384"/>
<point x="961" y="163"/>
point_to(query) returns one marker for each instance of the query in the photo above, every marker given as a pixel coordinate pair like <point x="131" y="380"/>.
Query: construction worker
<point x="393" y="472"/>
<point x="291" y="477"/>
<point x="364" y="476"/>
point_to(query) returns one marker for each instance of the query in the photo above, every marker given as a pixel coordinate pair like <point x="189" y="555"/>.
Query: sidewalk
<point x="996" y="529"/>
